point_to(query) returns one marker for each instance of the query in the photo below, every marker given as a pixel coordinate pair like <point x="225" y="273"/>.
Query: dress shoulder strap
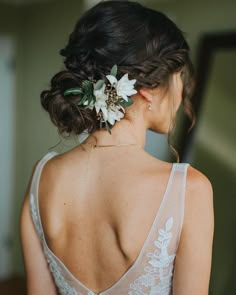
<point x="181" y="167"/>
<point x="177" y="195"/>
<point x="171" y="212"/>
<point x="33" y="197"/>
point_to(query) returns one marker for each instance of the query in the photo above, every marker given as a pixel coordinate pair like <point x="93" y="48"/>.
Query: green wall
<point x="40" y="31"/>
<point x="10" y="28"/>
<point x="214" y="153"/>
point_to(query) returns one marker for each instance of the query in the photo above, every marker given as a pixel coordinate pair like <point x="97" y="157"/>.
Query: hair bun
<point x="64" y="111"/>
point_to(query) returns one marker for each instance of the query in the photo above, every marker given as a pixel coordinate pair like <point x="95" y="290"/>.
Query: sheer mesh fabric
<point x="152" y="272"/>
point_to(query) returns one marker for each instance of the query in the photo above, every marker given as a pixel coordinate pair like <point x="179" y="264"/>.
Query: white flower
<point x="113" y="114"/>
<point x="124" y="87"/>
<point x="101" y="98"/>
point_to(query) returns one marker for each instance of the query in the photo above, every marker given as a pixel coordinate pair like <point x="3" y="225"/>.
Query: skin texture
<point x="93" y="215"/>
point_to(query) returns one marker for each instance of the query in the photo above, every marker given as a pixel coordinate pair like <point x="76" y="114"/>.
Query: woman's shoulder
<point x="198" y="197"/>
<point x="195" y="246"/>
<point x="50" y="187"/>
<point x="197" y="181"/>
<point x="50" y="161"/>
<point x="54" y="166"/>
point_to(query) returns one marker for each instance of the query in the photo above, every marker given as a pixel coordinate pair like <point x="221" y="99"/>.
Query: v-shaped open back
<point x="152" y="271"/>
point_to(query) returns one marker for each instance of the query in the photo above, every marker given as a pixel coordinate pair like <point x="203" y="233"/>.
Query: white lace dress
<point x="152" y="271"/>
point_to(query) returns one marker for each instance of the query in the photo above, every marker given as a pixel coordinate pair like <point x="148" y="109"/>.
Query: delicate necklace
<point x="111" y="145"/>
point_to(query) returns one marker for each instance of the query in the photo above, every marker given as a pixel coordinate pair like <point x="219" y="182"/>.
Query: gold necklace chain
<point x="111" y="145"/>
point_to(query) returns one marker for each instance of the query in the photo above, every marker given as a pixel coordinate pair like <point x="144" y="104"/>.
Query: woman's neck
<point x="123" y="132"/>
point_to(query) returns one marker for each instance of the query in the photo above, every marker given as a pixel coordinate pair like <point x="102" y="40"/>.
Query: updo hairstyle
<point x="142" y="42"/>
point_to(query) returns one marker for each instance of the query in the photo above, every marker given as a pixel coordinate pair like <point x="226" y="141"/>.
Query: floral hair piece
<point x="109" y="99"/>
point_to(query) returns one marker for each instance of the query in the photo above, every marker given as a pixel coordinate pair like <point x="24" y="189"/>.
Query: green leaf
<point x="94" y="99"/>
<point x="83" y="99"/>
<point x="90" y="98"/>
<point x="125" y="103"/>
<point x="98" y="85"/>
<point x="107" y="127"/>
<point x="88" y="87"/>
<point x="74" y="91"/>
<point x="86" y="83"/>
<point x="100" y="125"/>
<point x="114" y="70"/>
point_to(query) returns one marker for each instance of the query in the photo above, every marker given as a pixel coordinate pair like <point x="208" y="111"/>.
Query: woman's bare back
<point x="101" y="218"/>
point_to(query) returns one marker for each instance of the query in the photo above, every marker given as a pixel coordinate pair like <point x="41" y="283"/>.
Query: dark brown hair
<point x="142" y="42"/>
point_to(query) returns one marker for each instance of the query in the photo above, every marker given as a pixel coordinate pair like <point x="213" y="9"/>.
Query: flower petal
<point x="124" y="78"/>
<point x="130" y="91"/>
<point x="125" y="87"/>
<point x="124" y="97"/>
<point x="112" y="79"/>
<point x="105" y="113"/>
<point x="100" y="92"/>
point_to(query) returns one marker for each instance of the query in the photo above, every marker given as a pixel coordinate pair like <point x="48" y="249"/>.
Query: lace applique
<point x="158" y="277"/>
<point x="63" y="286"/>
<point x="35" y="216"/>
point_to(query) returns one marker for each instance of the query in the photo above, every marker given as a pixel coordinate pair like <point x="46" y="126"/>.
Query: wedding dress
<point x="152" y="271"/>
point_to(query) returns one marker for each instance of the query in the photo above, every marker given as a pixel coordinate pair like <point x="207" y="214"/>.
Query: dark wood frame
<point x="209" y="44"/>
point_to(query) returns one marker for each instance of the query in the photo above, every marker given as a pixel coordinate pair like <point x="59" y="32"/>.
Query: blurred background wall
<point x="34" y="33"/>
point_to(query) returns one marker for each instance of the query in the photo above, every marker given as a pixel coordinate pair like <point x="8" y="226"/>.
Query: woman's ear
<point x="147" y="93"/>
